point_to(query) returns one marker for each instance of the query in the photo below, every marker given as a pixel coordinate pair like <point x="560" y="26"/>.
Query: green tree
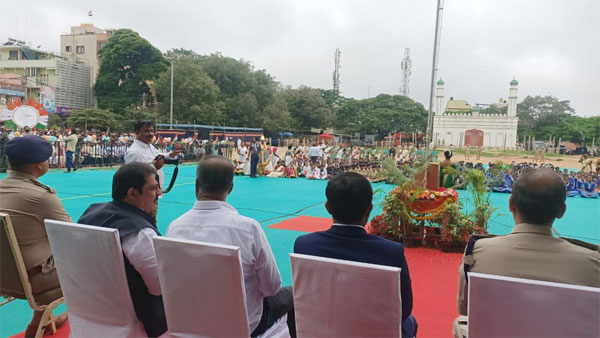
<point x="307" y="108"/>
<point x="93" y="118"/>
<point x="276" y="117"/>
<point x="580" y="129"/>
<point x="128" y="63"/>
<point x="196" y="98"/>
<point x="245" y="92"/>
<point x="542" y="116"/>
<point x="133" y="114"/>
<point x="383" y="114"/>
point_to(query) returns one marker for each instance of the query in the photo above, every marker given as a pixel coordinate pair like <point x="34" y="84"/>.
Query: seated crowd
<point x="538" y="199"/>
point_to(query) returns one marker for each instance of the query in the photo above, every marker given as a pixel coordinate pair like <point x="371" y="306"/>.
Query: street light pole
<point x="171" y="120"/>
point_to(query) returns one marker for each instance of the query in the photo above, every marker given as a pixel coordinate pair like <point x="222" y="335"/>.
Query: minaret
<point x="512" y="98"/>
<point x="439" y="98"/>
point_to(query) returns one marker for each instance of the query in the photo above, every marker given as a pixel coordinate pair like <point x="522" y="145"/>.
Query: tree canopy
<point x="128" y="63"/>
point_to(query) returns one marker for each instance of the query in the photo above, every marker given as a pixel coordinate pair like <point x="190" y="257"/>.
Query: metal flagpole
<point x="172" y="63"/>
<point x="436" y="43"/>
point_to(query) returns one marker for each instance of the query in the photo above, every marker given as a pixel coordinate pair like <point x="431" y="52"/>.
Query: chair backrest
<point x="13" y="279"/>
<point x="337" y="298"/>
<point x="203" y="288"/>
<point x="515" y="307"/>
<point x="89" y="262"/>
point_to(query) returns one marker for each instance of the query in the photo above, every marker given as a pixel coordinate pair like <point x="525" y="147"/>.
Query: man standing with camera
<point x="143" y="151"/>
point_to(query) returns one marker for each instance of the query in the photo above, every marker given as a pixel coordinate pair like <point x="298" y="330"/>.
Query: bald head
<point x="214" y="176"/>
<point x="538" y="196"/>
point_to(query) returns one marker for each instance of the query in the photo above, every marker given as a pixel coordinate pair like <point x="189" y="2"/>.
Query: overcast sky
<point x="551" y="47"/>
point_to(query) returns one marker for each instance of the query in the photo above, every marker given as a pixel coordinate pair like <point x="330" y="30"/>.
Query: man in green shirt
<point x="70" y="144"/>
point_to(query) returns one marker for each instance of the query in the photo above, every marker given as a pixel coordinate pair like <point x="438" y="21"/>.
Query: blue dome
<point x="514" y="82"/>
<point x="440" y="82"/>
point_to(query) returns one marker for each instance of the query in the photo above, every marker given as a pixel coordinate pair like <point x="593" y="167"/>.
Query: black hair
<point x="349" y="195"/>
<point x="17" y="165"/>
<point x="132" y="175"/>
<point x="141" y="124"/>
<point x="448" y="154"/>
<point x="539" y="195"/>
<point x="214" y="174"/>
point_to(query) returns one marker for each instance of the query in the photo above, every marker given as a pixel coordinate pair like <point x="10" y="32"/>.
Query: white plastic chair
<point x="203" y="290"/>
<point x="90" y="267"/>
<point x="514" y="307"/>
<point x="338" y="298"/>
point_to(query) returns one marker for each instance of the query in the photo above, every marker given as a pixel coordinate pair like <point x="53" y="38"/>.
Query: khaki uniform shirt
<point x="530" y="251"/>
<point x="71" y="142"/>
<point x="29" y="202"/>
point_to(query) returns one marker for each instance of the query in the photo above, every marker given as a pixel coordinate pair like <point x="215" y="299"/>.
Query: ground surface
<point x="273" y="200"/>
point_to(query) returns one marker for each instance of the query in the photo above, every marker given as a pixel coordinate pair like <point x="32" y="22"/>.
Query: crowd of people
<point x="537" y="199"/>
<point x="500" y="177"/>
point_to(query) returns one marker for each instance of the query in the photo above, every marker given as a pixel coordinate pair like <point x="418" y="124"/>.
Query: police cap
<point x="28" y="149"/>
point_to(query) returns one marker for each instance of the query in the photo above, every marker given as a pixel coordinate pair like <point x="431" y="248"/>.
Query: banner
<point x="48" y="95"/>
<point x="28" y="114"/>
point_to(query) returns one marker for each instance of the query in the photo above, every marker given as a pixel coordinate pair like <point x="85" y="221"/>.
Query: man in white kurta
<point x="143" y="151"/>
<point x="215" y="221"/>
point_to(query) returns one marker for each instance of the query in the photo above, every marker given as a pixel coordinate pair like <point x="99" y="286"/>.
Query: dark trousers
<point x="274" y="307"/>
<point x="253" y="164"/>
<point x="409" y="327"/>
<point x="70" y="164"/>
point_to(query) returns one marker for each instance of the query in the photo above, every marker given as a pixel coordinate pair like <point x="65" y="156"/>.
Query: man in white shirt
<point x="135" y="192"/>
<point x="215" y="221"/>
<point x="143" y="151"/>
<point x="315" y="152"/>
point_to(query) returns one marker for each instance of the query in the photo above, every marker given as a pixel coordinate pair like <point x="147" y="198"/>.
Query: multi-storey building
<point x="82" y="45"/>
<point x="45" y="77"/>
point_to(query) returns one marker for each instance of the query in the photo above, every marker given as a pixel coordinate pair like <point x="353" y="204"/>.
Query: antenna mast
<point x="406" y="71"/>
<point x="336" y="72"/>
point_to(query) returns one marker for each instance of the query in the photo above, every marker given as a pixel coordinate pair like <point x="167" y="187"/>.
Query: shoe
<point x="74" y="169"/>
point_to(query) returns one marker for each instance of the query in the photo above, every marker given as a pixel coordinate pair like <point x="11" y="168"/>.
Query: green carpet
<point x="268" y="200"/>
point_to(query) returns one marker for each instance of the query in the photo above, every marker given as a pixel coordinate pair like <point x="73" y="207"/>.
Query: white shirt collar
<point x="212" y="205"/>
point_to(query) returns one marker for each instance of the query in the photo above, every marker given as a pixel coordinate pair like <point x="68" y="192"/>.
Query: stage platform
<point x="287" y="208"/>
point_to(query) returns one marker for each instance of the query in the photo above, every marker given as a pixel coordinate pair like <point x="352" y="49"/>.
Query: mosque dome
<point x="514" y="82"/>
<point x="440" y="82"/>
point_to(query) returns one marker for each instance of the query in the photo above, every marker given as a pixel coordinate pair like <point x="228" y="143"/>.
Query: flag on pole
<point x="89" y="13"/>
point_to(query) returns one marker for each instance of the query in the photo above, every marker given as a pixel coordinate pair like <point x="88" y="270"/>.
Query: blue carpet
<point x="268" y="200"/>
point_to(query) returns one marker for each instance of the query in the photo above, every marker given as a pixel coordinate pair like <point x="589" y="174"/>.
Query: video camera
<point x="168" y="160"/>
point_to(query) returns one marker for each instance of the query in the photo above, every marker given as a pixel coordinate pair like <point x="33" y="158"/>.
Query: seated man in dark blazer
<point x="349" y="201"/>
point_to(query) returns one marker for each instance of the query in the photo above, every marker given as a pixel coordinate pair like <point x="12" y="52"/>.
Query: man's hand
<point x="175" y="153"/>
<point x="158" y="162"/>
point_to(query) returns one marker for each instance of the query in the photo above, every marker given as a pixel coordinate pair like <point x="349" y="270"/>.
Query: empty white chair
<point x="338" y="298"/>
<point x="514" y="307"/>
<point x="203" y="290"/>
<point x="90" y="267"/>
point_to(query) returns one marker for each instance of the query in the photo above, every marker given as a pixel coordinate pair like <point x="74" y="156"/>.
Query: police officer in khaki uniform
<point x="29" y="202"/>
<point x="530" y="251"/>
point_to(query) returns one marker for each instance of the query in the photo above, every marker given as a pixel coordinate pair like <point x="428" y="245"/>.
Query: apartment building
<point x="82" y="45"/>
<point x="43" y="74"/>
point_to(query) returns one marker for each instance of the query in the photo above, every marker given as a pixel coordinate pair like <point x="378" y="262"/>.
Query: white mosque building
<point x="457" y="123"/>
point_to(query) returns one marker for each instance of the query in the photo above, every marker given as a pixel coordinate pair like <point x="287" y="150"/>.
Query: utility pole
<point x="406" y="72"/>
<point x="436" y="45"/>
<point x="172" y="63"/>
<point x="336" y="72"/>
